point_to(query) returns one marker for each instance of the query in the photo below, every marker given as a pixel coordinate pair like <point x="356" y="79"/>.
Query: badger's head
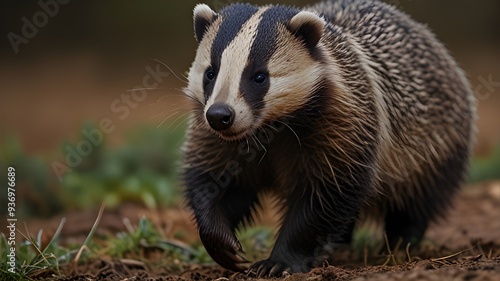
<point x="253" y="65"/>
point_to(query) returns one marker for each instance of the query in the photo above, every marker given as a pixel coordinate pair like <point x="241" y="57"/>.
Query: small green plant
<point x="138" y="242"/>
<point x="133" y="241"/>
<point x="366" y="239"/>
<point x="257" y="242"/>
<point x="485" y="168"/>
<point x="145" y="170"/>
<point x="36" y="189"/>
<point x="32" y="256"/>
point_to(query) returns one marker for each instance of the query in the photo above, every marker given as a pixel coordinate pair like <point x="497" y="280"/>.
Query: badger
<point x="342" y="108"/>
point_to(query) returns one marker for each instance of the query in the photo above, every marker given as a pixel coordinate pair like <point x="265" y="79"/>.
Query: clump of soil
<point x="465" y="246"/>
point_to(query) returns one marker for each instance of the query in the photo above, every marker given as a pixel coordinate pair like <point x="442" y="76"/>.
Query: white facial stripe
<point x="201" y="62"/>
<point x="233" y="61"/>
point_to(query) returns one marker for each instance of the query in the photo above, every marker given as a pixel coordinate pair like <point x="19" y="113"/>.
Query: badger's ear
<point x="203" y="17"/>
<point x="308" y="26"/>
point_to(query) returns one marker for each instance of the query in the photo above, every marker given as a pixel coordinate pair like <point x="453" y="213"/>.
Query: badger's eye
<point x="210" y="74"/>
<point x="260" y="78"/>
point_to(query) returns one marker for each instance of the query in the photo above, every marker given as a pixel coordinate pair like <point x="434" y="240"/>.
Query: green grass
<point x="485" y="168"/>
<point x="257" y="242"/>
<point x="33" y="174"/>
<point x="143" y="170"/>
<point x="143" y="242"/>
<point x="31" y="256"/>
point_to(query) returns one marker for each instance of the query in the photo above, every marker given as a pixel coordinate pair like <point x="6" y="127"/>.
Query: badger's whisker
<point x="261" y="145"/>
<point x="145" y="89"/>
<point x="248" y="145"/>
<point x="191" y="96"/>
<point x="171" y="71"/>
<point x="267" y="136"/>
<point x="161" y="98"/>
<point x="168" y="117"/>
<point x="296" y="135"/>
<point x="182" y="115"/>
<point x="158" y="114"/>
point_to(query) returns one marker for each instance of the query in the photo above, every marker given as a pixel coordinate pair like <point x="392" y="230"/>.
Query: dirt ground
<point x="465" y="246"/>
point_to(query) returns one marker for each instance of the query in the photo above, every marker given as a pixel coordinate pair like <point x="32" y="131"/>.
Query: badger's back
<point x="425" y="105"/>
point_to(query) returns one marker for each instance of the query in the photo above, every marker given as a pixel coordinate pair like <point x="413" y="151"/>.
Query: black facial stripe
<point x="208" y="85"/>
<point x="260" y="53"/>
<point x="233" y="18"/>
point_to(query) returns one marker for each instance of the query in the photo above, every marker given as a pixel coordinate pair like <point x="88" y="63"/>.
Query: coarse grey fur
<point x="342" y="109"/>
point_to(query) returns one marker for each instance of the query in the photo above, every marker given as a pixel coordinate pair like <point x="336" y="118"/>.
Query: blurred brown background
<point x="84" y="55"/>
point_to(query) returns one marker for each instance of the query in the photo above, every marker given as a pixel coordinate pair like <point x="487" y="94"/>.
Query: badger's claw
<point x="268" y="268"/>
<point x="225" y="250"/>
<point x="230" y="258"/>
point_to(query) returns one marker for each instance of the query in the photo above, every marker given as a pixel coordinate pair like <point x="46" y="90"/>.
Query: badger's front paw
<point x="268" y="268"/>
<point x="224" y="248"/>
<point x="277" y="267"/>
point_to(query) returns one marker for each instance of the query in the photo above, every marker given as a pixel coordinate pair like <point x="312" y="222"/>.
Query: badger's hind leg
<point x="431" y="196"/>
<point x="405" y="226"/>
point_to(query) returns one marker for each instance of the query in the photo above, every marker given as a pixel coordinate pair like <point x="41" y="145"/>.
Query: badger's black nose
<point x="220" y="116"/>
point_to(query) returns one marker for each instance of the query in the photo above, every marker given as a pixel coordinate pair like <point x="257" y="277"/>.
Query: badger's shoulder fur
<point x="338" y="108"/>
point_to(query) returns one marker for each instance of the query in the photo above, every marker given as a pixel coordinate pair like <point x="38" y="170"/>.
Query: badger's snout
<point x="220" y="116"/>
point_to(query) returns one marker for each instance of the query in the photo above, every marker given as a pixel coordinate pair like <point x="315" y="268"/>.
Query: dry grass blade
<point x="449" y="256"/>
<point x="41" y="256"/>
<point x="390" y="256"/>
<point x="408" y="252"/>
<point x="91" y="234"/>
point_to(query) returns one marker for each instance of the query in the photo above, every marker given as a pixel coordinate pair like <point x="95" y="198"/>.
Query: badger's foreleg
<point x="318" y="215"/>
<point x="219" y="205"/>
